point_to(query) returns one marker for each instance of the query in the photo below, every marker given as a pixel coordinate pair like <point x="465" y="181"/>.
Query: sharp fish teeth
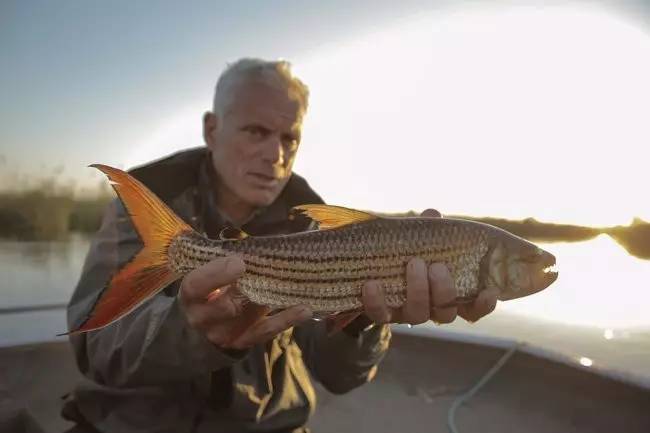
<point x="549" y="269"/>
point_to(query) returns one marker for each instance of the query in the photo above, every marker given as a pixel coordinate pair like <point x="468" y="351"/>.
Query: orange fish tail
<point x="148" y="272"/>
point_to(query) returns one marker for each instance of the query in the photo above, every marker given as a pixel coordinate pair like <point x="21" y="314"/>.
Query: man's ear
<point x="210" y="124"/>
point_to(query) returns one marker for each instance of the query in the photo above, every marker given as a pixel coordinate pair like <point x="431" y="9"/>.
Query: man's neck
<point x="233" y="209"/>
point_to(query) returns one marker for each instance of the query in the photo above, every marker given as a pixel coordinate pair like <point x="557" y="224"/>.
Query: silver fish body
<point x="326" y="269"/>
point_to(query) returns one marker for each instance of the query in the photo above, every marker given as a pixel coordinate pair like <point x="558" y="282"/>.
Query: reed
<point x="49" y="212"/>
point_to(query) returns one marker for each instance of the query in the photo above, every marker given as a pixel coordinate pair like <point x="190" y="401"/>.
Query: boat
<point x="430" y="381"/>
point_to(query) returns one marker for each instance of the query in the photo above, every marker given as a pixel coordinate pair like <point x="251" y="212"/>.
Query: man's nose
<point x="273" y="151"/>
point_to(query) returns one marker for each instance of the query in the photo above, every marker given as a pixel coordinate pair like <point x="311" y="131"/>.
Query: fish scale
<point x="326" y="269"/>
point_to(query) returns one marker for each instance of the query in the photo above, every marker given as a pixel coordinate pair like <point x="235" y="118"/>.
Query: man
<point x="172" y="365"/>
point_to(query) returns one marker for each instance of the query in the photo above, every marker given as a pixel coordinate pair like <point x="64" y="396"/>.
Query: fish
<point x="324" y="268"/>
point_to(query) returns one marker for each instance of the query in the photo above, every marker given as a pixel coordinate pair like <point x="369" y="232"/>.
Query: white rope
<point x="451" y="414"/>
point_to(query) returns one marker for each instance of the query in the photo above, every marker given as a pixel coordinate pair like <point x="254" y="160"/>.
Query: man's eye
<point x="257" y="131"/>
<point x="290" y="143"/>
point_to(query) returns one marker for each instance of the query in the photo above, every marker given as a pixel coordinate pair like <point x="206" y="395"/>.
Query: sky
<point x="512" y="111"/>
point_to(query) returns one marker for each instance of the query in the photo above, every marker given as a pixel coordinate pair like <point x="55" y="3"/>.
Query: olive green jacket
<point x="151" y="372"/>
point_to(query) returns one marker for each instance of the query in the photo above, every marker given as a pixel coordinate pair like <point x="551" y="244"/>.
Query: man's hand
<point x="426" y="291"/>
<point x="213" y="306"/>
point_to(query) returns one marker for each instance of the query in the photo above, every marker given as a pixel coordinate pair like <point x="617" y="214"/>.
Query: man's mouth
<point x="263" y="179"/>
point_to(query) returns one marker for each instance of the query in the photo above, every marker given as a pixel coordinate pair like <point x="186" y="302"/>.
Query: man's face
<point x="254" y="144"/>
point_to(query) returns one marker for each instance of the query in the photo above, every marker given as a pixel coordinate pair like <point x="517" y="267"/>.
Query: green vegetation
<point x="43" y="213"/>
<point x="537" y="231"/>
<point x="634" y="238"/>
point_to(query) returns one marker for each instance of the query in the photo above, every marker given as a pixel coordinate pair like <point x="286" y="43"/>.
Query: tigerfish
<point x="324" y="269"/>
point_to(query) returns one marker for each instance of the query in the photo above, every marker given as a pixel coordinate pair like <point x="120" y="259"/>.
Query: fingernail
<point x="432" y="213"/>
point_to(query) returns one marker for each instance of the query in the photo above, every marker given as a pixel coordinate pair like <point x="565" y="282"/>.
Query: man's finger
<point x="198" y="285"/>
<point x="251" y="314"/>
<point x="484" y="304"/>
<point x="229" y="304"/>
<point x="374" y="302"/>
<point x="270" y="326"/>
<point x="224" y="332"/>
<point x="443" y="291"/>
<point x="417" y="309"/>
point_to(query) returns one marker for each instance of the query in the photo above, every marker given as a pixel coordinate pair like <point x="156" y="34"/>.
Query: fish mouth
<point x="541" y="272"/>
<point x="545" y="273"/>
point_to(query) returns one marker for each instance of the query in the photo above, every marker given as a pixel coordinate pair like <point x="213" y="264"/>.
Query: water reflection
<point x="40" y="253"/>
<point x="37" y="273"/>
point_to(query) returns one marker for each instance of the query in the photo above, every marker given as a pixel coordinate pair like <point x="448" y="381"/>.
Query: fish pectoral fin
<point x="232" y="234"/>
<point x="331" y="217"/>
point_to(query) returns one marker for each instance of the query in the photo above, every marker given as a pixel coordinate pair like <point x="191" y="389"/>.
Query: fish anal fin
<point x="331" y="217"/>
<point x="337" y="322"/>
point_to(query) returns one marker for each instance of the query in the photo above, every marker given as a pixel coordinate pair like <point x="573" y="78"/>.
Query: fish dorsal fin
<point x="331" y="217"/>
<point x="232" y="234"/>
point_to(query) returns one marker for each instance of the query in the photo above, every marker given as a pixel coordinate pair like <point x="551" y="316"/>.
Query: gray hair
<point x="275" y="72"/>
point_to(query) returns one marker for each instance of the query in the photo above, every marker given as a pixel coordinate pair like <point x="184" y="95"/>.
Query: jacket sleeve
<point x="345" y="360"/>
<point x="152" y="345"/>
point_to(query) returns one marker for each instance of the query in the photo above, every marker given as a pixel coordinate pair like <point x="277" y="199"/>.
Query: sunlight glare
<point x="587" y="362"/>
<point x="599" y="285"/>
<point x="516" y="113"/>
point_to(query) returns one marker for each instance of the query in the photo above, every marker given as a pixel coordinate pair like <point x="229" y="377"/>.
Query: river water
<point x="596" y="312"/>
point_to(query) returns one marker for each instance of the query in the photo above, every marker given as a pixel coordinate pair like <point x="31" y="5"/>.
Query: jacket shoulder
<point x="169" y="176"/>
<point x="298" y="191"/>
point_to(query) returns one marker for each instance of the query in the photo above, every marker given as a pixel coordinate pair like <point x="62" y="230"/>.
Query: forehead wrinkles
<point x="272" y="103"/>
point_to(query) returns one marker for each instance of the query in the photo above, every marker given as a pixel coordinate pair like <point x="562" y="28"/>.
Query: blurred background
<point x="529" y="115"/>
